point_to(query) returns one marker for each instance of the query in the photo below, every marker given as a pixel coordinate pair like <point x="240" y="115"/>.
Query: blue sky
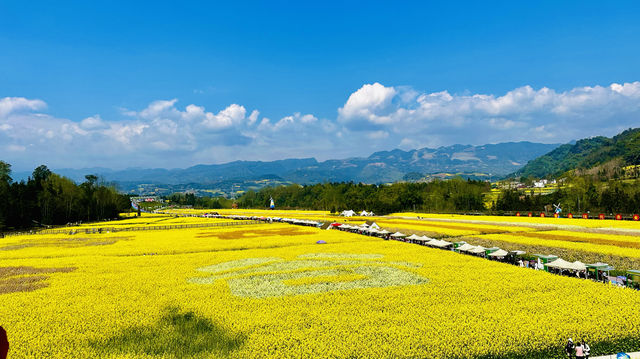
<point x="171" y="84"/>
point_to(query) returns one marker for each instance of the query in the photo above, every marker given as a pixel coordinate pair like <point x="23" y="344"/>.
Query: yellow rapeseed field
<point x="616" y="245"/>
<point x="270" y="291"/>
<point x="547" y="221"/>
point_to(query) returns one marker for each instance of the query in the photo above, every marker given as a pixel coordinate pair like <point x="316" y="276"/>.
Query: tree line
<point x="578" y="195"/>
<point x="455" y="195"/>
<point x="46" y="198"/>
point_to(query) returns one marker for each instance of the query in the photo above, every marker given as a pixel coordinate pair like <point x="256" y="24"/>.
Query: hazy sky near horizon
<point x="171" y="84"/>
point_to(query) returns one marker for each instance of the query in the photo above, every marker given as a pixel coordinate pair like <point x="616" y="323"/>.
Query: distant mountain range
<point x="586" y="154"/>
<point x="493" y="160"/>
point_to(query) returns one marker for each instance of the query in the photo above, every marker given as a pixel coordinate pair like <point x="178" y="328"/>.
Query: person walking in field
<point x="586" y="348"/>
<point x="569" y="348"/>
<point x="4" y="344"/>
<point x="579" y="351"/>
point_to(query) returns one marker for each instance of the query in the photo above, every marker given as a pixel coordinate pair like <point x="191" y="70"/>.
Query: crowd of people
<point x="579" y="350"/>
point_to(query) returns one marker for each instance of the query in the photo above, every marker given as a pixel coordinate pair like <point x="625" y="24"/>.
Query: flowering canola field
<point x="547" y="221"/>
<point x="270" y="291"/>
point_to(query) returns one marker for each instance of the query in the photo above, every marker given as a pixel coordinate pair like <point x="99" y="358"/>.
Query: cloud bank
<point x="374" y="117"/>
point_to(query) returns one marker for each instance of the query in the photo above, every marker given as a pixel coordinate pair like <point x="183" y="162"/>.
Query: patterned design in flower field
<point x="26" y="279"/>
<point x="64" y="242"/>
<point x="309" y="274"/>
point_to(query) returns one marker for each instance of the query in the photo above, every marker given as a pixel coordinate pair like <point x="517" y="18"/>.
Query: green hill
<point x="585" y="154"/>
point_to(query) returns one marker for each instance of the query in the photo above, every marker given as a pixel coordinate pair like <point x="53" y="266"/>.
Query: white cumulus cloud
<point x="370" y="102"/>
<point x="374" y="117"/>
<point x="10" y="105"/>
<point x="445" y="118"/>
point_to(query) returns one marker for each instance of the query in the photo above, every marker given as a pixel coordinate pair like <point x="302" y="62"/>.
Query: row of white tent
<point x="496" y="253"/>
<point x="428" y="241"/>
<point x="372" y="229"/>
<point x="424" y="240"/>
<point x="351" y="213"/>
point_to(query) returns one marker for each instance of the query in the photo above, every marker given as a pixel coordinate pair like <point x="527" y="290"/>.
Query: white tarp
<point x="577" y="265"/>
<point x="560" y="263"/>
<point x="426" y="239"/>
<point x="477" y="250"/>
<point x="498" y="253"/>
<point x="465" y="247"/>
<point x="439" y="243"/>
<point x="348" y="213"/>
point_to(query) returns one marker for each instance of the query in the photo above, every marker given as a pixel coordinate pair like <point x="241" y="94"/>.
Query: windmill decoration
<point x="558" y="209"/>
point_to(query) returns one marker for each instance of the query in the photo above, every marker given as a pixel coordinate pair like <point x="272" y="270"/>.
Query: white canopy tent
<point x="579" y="266"/>
<point x="349" y="213"/>
<point x="398" y="235"/>
<point x="477" y="250"/>
<point x="427" y="239"/>
<point x="560" y="264"/>
<point x="424" y="239"/>
<point x="465" y="247"/>
<point x="499" y="253"/>
<point x="413" y="237"/>
<point x="439" y="243"/>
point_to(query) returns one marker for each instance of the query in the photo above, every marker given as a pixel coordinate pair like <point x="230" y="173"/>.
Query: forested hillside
<point x="580" y="195"/>
<point x="47" y="199"/>
<point x="585" y="154"/>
